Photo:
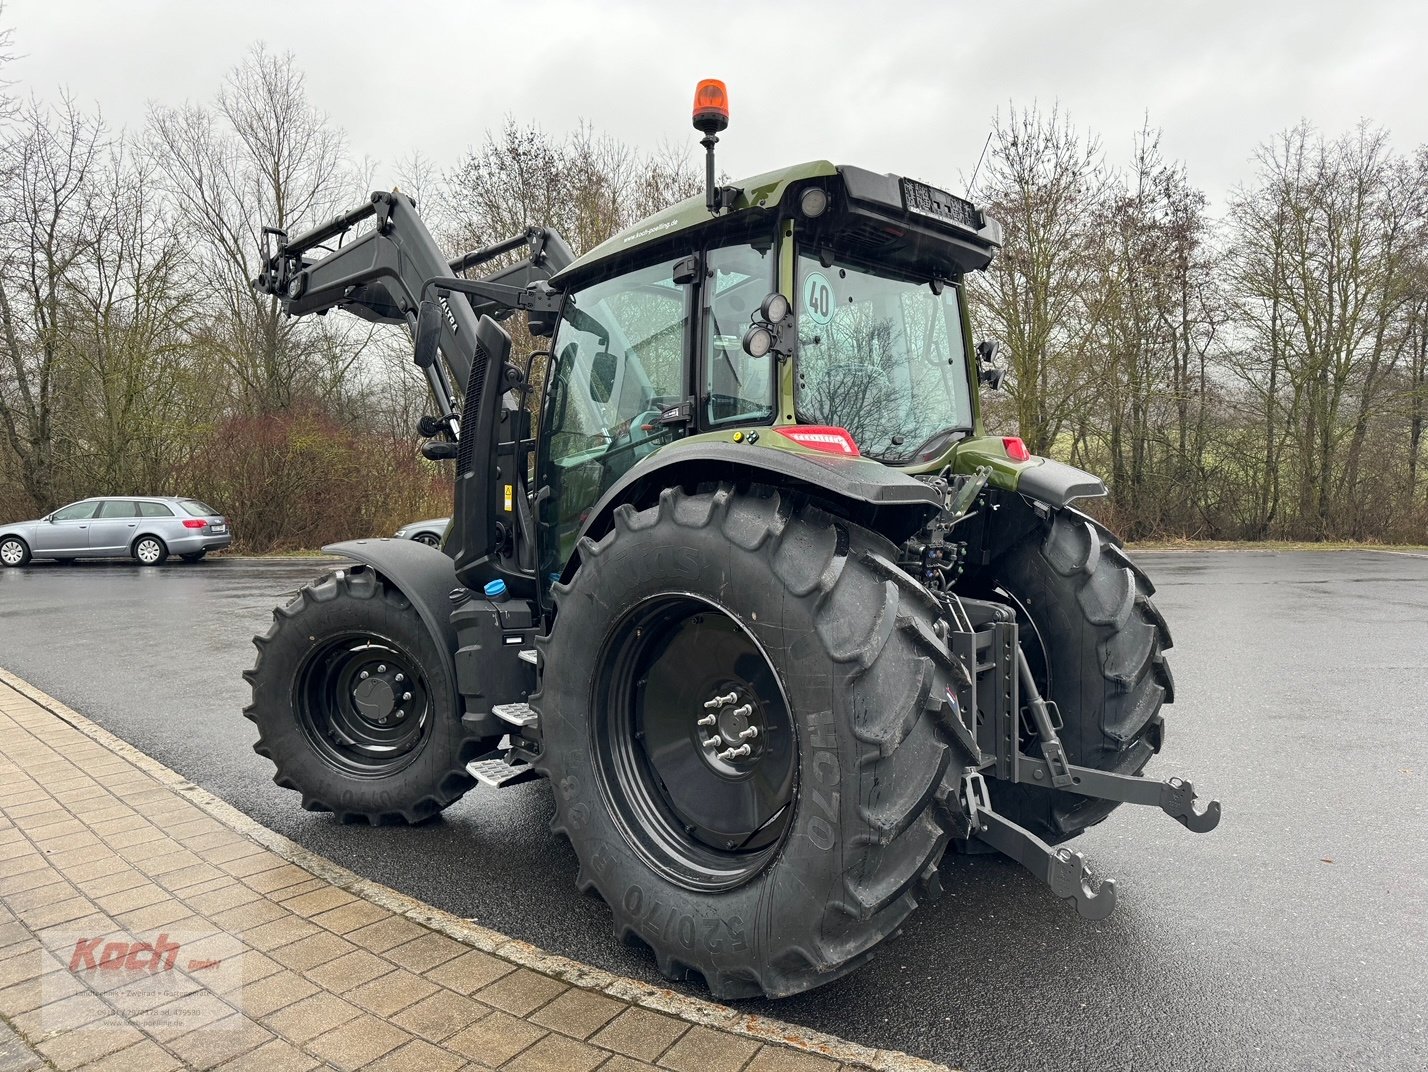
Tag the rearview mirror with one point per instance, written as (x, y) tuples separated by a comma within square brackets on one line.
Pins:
[(987, 373), (428, 333), (602, 376)]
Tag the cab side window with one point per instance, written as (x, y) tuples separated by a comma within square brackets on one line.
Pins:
[(618, 357), (737, 387)]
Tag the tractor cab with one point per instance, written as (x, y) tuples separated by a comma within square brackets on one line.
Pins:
[(814, 309)]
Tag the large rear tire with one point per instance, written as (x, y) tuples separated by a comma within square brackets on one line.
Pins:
[(777, 870), (1096, 645), (353, 703)]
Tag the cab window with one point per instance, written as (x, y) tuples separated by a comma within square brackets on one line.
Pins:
[(737, 387), (618, 358)]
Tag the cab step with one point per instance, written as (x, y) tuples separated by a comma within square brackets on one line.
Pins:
[(494, 772), (517, 714)]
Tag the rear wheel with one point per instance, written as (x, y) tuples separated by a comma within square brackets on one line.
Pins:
[(14, 552), (1095, 643), (428, 539), (740, 727), (150, 551), (354, 704)]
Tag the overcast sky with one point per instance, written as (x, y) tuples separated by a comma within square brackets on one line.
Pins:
[(908, 87)]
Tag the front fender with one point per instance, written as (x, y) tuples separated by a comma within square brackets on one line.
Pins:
[(421, 573)]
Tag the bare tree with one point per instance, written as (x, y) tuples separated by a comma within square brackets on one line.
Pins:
[(1046, 183), (49, 225), (262, 155)]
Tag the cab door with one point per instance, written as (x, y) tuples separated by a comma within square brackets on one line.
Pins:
[(66, 531)]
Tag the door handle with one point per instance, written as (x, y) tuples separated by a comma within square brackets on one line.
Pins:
[(133, 524)]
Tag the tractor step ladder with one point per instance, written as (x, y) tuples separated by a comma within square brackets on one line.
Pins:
[(517, 714), (493, 771)]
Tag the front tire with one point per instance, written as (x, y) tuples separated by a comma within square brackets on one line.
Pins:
[(1096, 645), (782, 869), (14, 552), (355, 704)]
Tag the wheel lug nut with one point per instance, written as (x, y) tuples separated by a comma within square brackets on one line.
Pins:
[(406, 696), (382, 721), (736, 753), (748, 733), (744, 712), (712, 742), (363, 675), (382, 668), (707, 720), (720, 701), (400, 678)]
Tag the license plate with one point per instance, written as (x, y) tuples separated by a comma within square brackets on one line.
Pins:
[(930, 201), (220, 528)]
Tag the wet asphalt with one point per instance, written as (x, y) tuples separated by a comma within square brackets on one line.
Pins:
[(1294, 937)]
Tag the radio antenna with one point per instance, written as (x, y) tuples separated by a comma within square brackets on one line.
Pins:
[(978, 168)]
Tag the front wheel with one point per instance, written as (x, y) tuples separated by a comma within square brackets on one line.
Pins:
[(739, 716), (14, 552), (428, 539), (354, 704)]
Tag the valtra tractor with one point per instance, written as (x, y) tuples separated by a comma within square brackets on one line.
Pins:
[(778, 621)]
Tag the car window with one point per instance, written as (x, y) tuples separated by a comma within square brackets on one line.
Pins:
[(153, 509), (118, 508), (198, 509), (74, 512)]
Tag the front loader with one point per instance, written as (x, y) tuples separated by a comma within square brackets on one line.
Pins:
[(776, 618)]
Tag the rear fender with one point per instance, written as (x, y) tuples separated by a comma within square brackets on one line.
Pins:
[(421, 573), (871, 494), (1042, 479)]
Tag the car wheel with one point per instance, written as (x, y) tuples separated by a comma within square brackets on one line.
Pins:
[(13, 552), (150, 551), (428, 539)]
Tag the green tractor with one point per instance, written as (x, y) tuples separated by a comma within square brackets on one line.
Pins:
[(756, 593)]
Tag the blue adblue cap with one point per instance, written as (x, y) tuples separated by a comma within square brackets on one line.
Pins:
[(495, 588)]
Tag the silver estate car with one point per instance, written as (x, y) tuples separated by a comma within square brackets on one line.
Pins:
[(147, 528), (430, 532)]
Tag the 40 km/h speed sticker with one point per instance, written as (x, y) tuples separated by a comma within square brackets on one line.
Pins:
[(818, 300)]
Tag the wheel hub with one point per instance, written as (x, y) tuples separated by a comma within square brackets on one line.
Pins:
[(738, 735), (362, 704)]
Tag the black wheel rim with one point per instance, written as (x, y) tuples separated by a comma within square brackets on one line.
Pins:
[(694, 742), (363, 703)]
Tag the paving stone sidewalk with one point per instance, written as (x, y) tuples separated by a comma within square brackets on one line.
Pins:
[(139, 932)]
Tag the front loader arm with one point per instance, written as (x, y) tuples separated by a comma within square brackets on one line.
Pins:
[(382, 274)]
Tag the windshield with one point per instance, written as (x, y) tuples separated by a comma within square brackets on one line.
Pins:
[(882, 357)]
